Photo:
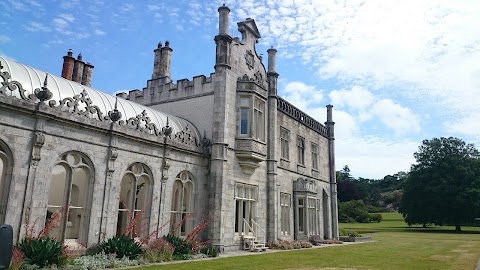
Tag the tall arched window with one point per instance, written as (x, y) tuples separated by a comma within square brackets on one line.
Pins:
[(70, 186), (182, 196), (135, 199), (5, 177)]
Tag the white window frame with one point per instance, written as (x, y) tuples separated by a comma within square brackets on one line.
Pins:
[(301, 150), (285, 205), (80, 161), (245, 205), (252, 114), (314, 147), (284, 143), (185, 181), (136, 171)]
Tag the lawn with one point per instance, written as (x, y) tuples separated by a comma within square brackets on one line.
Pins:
[(395, 246)]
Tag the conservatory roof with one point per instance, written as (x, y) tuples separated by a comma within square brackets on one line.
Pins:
[(61, 88)]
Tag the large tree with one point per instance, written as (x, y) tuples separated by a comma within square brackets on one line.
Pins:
[(443, 186)]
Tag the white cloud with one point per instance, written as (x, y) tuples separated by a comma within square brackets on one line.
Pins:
[(67, 17), (374, 157), (425, 50), (396, 117), (4, 39), (36, 27), (99, 32), (301, 95), (125, 7), (153, 7), (367, 107), (357, 98)]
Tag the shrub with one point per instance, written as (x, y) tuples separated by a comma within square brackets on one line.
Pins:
[(159, 250), (353, 211), (209, 251), (342, 232), (42, 251), (180, 245), (17, 259), (93, 250), (354, 234), (122, 246), (286, 244), (305, 244), (100, 261), (375, 217)]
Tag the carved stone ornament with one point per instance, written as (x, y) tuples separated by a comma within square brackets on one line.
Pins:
[(43, 94), (73, 105), (142, 123), (258, 77), (186, 137), (12, 86), (38, 142), (249, 59)]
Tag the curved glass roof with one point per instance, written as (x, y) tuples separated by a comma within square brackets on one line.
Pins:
[(61, 88)]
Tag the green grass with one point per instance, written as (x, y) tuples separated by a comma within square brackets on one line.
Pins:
[(395, 246)]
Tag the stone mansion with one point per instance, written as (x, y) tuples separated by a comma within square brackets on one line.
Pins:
[(224, 147)]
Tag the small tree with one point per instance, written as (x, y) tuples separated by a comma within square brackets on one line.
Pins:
[(443, 187)]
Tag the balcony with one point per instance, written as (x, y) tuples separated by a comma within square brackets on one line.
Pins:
[(250, 153)]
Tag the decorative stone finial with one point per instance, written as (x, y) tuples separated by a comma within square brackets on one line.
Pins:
[(70, 52), (167, 43), (159, 44), (167, 130), (79, 57), (43, 93), (115, 115)]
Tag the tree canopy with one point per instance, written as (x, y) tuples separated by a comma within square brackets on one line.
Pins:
[(443, 187)]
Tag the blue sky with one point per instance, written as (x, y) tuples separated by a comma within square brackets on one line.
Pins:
[(397, 72)]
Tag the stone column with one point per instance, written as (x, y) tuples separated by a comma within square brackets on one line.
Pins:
[(331, 167), (273, 204)]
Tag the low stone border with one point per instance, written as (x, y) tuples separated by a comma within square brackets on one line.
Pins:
[(355, 239)]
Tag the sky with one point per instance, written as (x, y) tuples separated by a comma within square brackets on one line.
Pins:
[(396, 72)]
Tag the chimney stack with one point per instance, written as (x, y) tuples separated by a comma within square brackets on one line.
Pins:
[(78, 69), (87, 74), (271, 59), (68, 62), (223, 20), (157, 61), (166, 56)]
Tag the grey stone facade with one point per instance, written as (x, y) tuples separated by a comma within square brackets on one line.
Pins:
[(231, 145)]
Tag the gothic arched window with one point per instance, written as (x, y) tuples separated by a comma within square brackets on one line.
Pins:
[(182, 196), (135, 196), (5, 177), (70, 190)]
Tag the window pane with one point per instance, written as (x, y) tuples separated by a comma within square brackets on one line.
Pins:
[(2, 180), (301, 220), (125, 191), (1, 171), (141, 193), (244, 121), (57, 197)]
